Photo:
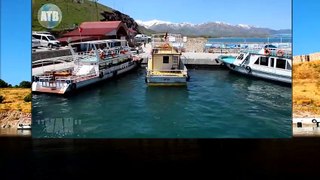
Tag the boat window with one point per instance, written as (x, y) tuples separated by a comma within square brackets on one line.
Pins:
[(288, 66), (281, 63), (271, 62), (240, 56), (166, 59), (264, 61), (257, 61)]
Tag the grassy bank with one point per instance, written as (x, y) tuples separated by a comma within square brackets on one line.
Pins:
[(72, 13), (306, 89), (14, 100)]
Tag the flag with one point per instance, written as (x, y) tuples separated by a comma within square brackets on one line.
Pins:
[(80, 29)]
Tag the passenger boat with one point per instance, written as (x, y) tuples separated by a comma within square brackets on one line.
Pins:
[(270, 64), (165, 66), (94, 61)]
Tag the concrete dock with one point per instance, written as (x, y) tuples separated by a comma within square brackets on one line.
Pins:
[(199, 59), (63, 62)]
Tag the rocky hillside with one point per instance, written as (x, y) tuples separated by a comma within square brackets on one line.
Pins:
[(130, 22)]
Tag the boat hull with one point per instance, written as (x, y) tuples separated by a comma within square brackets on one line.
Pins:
[(166, 81), (69, 88), (260, 74)]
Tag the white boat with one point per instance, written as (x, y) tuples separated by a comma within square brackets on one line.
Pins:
[(94, 61), (270, 64), (165, 67)]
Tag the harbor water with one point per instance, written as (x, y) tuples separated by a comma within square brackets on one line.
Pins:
[(281, 39), (216, 103)]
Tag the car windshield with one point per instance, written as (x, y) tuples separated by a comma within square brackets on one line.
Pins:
[(51, 38)]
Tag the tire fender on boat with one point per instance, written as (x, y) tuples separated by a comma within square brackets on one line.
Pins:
[(115, 73), (248, 69), (314, 121), (101, 75)]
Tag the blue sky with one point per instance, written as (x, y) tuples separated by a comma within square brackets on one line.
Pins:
[(306, 31), (15, 41), (275, 14)]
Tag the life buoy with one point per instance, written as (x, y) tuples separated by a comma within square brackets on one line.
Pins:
[(103, 55), (280, 53), (101, 75), (266, 51), (248, 69)]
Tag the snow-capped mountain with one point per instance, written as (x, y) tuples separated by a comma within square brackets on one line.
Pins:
[(209, 29)]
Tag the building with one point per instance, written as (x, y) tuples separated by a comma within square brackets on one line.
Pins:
[(96, 30)]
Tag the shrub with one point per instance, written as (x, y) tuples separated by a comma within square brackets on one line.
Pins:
[(25, 84), (1, 99), (28, 98)]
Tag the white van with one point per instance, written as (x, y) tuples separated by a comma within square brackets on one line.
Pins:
[(46, 40)]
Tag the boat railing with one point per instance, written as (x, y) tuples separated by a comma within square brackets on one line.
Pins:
[(270, 52)]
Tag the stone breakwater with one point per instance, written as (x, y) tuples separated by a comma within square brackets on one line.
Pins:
[(195, 44), (11, 119), (198, 45)]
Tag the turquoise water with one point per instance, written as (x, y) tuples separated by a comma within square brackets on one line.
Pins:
[(215, 104), (228, 59)]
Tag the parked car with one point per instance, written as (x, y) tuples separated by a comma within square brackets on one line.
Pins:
[(46, 40), (35, 43)]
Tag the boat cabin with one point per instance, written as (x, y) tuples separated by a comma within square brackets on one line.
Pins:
[(165, 58)]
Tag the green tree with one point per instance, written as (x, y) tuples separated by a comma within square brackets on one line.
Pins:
[(25, 84), (3, 84)]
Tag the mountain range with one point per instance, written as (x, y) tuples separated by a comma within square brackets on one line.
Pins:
[(211, 29)]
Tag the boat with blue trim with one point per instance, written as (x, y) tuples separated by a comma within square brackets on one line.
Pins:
[(268, 63)]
